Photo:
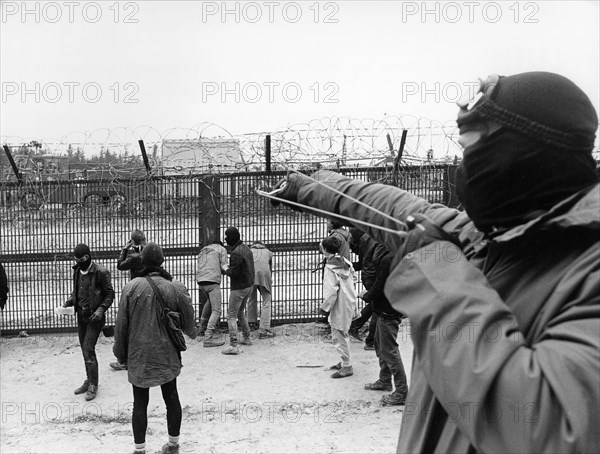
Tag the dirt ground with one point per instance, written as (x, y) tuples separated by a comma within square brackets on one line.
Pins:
[(259, 401)]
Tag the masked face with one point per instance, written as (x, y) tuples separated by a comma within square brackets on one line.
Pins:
[(506, 179), (83, 263)]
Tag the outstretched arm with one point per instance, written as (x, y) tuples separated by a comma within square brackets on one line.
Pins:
[(361, 201)]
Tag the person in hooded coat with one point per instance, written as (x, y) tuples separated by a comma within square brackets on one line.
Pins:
[(503, 298), (339, 301), (142, 342)]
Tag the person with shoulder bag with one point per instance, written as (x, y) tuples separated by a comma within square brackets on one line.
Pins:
[(143, 341)]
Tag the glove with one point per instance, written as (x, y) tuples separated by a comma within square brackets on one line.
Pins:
[(288, 188), (422, 232), (97, 316)]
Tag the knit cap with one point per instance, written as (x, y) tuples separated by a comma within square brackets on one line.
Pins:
[(545, 107)]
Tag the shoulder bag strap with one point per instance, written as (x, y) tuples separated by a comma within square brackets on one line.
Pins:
[(159, 297)]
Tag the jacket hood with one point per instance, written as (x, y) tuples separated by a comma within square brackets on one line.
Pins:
[(339, 265), (580, 210)]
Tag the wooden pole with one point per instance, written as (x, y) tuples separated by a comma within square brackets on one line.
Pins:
[(399, 156), (268, 152), (145, 156), (12, 162)]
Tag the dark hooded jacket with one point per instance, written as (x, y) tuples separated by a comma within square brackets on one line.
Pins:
[(505, 329)]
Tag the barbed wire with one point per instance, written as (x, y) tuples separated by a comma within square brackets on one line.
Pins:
[(207, 147), (210, 148)]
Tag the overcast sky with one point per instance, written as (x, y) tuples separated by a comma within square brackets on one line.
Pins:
[(259, 66)]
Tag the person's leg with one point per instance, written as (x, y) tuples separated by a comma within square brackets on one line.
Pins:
[(236, 297), (171, 398), (391, 352), (139, 418), (92, 334), (81, 330), (385, 376), (342, 345), (206, 307), (242, 314), (265, 310), (341, 342), (384, 382), (391, 356), (252, 305), (215, 299)]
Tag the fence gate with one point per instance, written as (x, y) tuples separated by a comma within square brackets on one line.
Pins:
[(41, 223)]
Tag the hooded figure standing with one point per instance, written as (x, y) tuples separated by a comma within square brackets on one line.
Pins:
[(504, 298), (92, 295), (141, 341), (339, 301)]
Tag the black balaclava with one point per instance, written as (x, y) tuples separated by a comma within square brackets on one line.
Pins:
[(232, 236), (79, 251), (540, 155)]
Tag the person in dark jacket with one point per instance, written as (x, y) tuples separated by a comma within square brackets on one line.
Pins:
[(141, 341), (130, 258), (241, 275), (92, 295), (3, 287), (391, 368), (503, 298), (369, 255)]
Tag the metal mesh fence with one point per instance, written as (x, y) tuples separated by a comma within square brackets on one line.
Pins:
[(41, 222)]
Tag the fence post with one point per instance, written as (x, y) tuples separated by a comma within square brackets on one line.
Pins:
[(12, 163), (144, 156), (399, 157), (210, 195), (268, 153)]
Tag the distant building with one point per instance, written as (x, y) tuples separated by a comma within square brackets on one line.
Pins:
[(184, 157)]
